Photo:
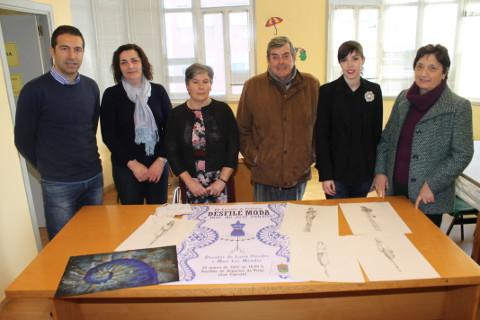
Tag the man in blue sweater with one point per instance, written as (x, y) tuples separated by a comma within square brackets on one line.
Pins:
[(55, 130)]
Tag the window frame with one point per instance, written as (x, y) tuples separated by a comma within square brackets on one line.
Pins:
[(199, 44), (382, 7)]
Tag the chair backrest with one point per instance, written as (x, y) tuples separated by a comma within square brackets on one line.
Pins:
[(462, 207), (230, 190)]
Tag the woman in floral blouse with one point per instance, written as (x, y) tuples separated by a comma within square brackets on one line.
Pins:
[(349, 126), (202, 139)]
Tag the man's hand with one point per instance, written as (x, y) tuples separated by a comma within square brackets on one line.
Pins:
[(329, 187)]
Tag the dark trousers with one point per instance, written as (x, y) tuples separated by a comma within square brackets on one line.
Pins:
[(131, 191), (402, 190), (263, 192), (351, 190)]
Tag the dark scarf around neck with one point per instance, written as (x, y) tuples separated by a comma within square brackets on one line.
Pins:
[(424, 101), (284, 83)]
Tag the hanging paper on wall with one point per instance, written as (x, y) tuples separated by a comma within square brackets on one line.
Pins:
[(273, 21), (302, 53), (12, 54), (17, 83)]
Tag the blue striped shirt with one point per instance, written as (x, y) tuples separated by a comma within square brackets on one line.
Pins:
[(57, 76)]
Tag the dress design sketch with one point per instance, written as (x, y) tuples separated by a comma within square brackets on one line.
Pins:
[(163, 229), (322, 256), (387, 252), (309, 216), (371, 217)]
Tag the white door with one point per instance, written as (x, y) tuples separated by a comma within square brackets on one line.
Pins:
[(26, 60)]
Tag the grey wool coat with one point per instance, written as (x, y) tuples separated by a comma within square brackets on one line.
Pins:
[(442, 147)]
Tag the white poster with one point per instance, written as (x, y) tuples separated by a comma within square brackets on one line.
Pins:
[(235, 243)]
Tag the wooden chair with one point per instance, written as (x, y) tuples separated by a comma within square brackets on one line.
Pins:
[(461, 209)]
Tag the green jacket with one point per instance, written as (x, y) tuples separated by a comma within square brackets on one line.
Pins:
[(442, 147), (277, 128)]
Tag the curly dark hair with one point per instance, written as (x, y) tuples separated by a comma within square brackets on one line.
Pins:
[(146, 66)]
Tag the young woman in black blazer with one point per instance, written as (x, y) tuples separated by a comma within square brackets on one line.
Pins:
[(348, 128)]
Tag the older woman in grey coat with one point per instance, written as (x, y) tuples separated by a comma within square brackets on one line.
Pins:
[(427, 141)]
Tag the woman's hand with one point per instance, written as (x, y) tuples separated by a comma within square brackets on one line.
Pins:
[(196, 188), (380, 184), (156, 169), (139, 170), (425, 195), (329, 187), (216, 188)]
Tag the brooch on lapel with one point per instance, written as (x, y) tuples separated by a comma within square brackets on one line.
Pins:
[(369, 96)]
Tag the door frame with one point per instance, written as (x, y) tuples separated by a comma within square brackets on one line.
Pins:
[(23, 6)]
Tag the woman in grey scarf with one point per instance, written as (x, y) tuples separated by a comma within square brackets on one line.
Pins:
[(133, 117)]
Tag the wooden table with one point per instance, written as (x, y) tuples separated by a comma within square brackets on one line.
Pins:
[(100, 229)]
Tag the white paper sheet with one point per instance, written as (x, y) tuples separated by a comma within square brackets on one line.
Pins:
[(157, 232), (172, 210), (391, 257), (323, 259), (304, 219), (373, 217)]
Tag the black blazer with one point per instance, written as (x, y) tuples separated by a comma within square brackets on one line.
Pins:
[(221, 134), (348, 129)]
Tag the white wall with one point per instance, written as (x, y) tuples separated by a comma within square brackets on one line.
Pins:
[(17, 241)]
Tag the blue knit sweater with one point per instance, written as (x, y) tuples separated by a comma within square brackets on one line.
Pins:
[(55, 128)]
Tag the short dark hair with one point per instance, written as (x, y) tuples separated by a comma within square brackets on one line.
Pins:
[(439, 51), (65, 29), (198, 68), (348, 47), (279, 42), (146, 66)]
